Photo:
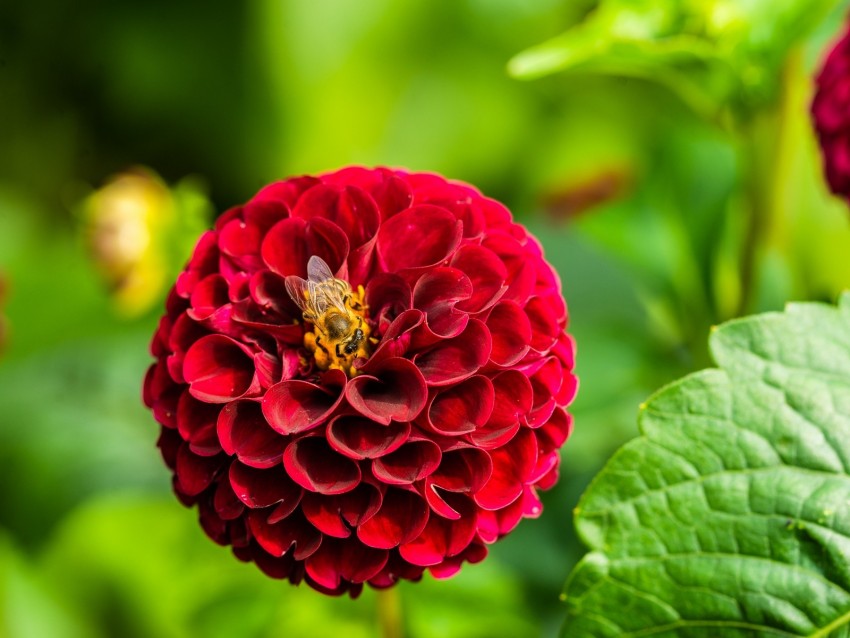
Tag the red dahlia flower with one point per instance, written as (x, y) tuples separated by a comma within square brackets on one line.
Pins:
[(831, 111), (340, 457)]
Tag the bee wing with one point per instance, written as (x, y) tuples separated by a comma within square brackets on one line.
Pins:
[(324, 287), (302, 293), (318, 270)]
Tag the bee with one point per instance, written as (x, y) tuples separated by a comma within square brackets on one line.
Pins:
[(337, 312)]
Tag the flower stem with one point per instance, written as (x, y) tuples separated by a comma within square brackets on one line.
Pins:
[(389, 613)]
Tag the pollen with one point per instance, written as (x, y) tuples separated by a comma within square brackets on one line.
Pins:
[(340, 336)]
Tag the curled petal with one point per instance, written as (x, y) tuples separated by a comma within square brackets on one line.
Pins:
[(338, 514), (312, 464), (513, 465), (225, 502), (387, 296), (442, 537), (413, 461), (196, 422), (296, 406), (359, 437), (243, 431), (294, 532), (398, 337), (458, 358), (544, 325), (511, 332), (394, 389), (195, 473), (218, 369), (291, 242), (462, 408), (263, 488), (338, 561), (349, 207), (436, 293), (521, 271), (209, 295), (402, 518), (486, 272), (418, 237)]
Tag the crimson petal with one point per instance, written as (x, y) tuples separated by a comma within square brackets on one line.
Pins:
[(511, 332), (243, 431), (436, 293), (393, 389), (263, 488), (486, 272), (461, 408), (218, 369), (413, 461), (442, 537), (278, 538), (418, 237), (296, 406), (512, 466), (312, 464), (458, 358), (402, 518), (358, 437)]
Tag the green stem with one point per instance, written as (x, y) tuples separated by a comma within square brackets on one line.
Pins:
[(768, 146), (389, 613)]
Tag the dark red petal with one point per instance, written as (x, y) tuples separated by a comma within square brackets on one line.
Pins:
[(458, 358), (336, 515), (414, 460), (521, 271), (243, 431), (349, 207), (208, 296), (285, 249), (358, 437), (492, 525), (218, 369), (486, 272), (263, 488), (226, 505), (394, 389), (442, 537), (463, 469), (196, 422), (296, 406), (312, 464), (402, 518), (512, 466), (461, 408), (398, 337), (511, 332), (338, 561), (418, 237), (195, 473), (278, 538), (286, 191), (387, 296), (544, 325), (436, 294)]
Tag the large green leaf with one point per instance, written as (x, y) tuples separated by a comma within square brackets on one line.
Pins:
[(730, 515)]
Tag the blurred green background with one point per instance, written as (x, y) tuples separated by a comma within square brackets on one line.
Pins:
[(674, 186)]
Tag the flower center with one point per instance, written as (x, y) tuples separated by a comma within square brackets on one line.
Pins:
[(340, 335)]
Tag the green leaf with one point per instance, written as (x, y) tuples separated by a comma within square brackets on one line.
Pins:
[(730, 515)]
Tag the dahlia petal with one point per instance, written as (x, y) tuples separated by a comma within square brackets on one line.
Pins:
[(442, 537), (340, 560), (359, 437), (402, 518), (169, 442), (225, 501), (418, 237), (513, 464), (436, 293), (196, 422), (218, 369), (511, 332), (208, 296), (414, 460), (204, 262), (458, 358), (241, 241), (195, 473), (393, 389), (277, 539), (263, 488), (285, 249), (463, 469), (387, 296), (349, 207), (493, 525), (398, 337), (269, 369), (165, 407), (286, 191), (268, 291), (244, 432), (336, 515), (514, 398), (297, 406), (392, 195), (554, 433), (487, 274), (544, 326), (521, 272), (461, 408), (313, 464)]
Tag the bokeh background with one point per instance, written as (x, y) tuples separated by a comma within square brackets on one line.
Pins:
[(664, 214)]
